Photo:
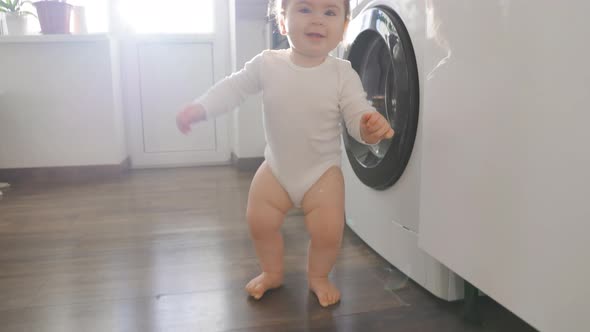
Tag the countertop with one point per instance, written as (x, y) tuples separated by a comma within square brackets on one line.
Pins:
[(81, 38)]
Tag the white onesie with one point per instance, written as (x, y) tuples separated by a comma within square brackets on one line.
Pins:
[(303, 111)]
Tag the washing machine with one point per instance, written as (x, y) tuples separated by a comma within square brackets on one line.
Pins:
[(384, 43)]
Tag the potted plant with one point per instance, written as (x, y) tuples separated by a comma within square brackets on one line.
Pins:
[(54, 16), (16, 16)]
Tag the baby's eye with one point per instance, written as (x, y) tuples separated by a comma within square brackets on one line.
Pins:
[(304, 10), (330, 13)]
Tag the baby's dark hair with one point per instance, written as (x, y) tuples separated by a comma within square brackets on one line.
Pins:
[(276, 8)]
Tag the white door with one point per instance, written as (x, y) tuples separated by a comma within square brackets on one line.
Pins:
[(161, 73)]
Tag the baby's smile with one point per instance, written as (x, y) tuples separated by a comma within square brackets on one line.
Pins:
[(315, 35)]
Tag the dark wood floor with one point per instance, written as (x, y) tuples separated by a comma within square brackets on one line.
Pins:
[(168, 250)]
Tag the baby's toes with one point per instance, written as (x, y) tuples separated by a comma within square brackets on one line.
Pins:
[(324, 300)]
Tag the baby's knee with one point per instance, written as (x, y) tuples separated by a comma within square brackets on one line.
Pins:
[(329, 238), (263, 220)]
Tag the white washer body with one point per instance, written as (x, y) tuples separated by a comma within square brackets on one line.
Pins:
[(505, 172), (388, 220)]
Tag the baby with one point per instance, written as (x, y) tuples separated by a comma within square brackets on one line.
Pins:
[(306, 93)]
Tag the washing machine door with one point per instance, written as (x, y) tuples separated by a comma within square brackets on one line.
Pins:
[(380, 50)]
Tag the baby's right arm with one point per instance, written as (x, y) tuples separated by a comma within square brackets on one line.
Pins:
[(223, 96), (191, 113)]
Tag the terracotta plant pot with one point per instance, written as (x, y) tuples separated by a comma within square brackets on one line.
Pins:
[(54, 16)]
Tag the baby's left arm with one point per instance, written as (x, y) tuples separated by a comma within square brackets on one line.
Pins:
[(363, 122), (375, 127)]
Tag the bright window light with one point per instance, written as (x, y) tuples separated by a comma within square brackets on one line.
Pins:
[(97, 14), (184, 16)]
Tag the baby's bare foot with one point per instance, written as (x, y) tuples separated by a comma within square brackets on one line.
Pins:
[(265, 281), (326, 292)]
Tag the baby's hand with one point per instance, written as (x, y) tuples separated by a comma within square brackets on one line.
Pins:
[(190, 114), (374, 128)]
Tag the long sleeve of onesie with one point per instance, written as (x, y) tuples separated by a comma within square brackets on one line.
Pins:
[(353, 101), (230, 92)]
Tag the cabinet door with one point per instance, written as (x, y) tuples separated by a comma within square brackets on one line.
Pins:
[(59, 102), (163, 73)]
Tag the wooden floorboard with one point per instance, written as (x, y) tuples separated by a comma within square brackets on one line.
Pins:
[(168, 250)]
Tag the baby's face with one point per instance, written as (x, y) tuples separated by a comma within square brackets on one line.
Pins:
[(314, 27)]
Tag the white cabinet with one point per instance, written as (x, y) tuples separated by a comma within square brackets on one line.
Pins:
[(61, 102)]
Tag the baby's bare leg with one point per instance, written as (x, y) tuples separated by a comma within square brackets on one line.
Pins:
[(323, 206), (268, 203)]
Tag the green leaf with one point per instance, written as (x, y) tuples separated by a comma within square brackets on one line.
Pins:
[(5, 5), (8, 5), (13, 6)]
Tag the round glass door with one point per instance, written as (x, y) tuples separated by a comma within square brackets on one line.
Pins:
[(383, 56)]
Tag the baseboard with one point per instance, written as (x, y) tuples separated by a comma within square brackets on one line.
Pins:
[(64, 174), (246, 164)]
